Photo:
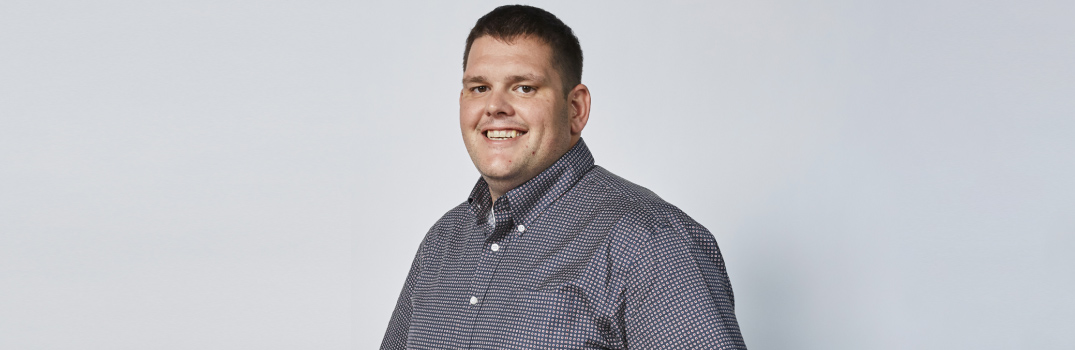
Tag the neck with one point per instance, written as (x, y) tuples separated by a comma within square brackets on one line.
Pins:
[(496, 191), (498, 188)]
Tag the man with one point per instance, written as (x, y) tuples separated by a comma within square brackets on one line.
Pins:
[(550, 251)]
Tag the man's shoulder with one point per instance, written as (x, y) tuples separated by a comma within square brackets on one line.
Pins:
[(640, 222), (450, 223), (635, 202), (453, 217)]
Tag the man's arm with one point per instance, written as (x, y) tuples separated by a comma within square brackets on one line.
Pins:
[(396, 335), (678, 295)]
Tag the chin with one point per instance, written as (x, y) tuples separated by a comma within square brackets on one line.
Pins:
[(497, 172)]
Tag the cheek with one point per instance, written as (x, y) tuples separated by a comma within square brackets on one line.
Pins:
[(468, 117)]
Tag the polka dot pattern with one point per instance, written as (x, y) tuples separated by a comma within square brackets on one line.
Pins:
[(583, 259)]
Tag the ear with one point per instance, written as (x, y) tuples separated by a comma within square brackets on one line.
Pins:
[(578, 101)]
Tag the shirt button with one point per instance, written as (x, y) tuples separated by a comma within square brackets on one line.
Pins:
[(473, 300), (495, 247), (521, 228)]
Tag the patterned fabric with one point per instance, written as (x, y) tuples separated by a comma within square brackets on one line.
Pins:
[(578, 258)]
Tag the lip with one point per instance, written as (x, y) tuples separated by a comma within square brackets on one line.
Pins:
[(516, 128)]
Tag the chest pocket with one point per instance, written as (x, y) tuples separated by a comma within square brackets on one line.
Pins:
[(539, 319)]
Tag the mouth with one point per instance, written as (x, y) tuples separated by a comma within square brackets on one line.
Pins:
[(498, 135)]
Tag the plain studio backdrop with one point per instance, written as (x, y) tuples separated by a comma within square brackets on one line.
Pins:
[(258, 174)]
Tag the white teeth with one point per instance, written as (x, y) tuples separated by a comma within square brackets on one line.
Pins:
[(502, 134)]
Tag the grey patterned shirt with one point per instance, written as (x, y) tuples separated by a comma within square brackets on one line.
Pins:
[(578, 258)]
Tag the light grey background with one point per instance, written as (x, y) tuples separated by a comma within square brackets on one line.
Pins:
[(257, 175)]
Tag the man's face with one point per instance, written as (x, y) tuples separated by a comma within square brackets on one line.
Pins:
[(512, 111)]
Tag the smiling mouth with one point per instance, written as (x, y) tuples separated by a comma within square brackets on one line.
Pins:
[(503, 134)]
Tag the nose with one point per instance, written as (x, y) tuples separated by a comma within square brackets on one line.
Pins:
[(499, 105)]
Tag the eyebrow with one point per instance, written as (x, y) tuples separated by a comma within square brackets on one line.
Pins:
[(525, 77), (474, 79), (511, 79)]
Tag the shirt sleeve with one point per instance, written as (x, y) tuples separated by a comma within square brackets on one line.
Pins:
[(396, 335), (677, 293)]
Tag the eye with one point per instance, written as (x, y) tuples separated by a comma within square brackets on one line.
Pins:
[(479, 89), (525, 89)]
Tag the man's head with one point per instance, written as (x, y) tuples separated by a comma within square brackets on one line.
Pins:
[(509, 22), (522, 104)]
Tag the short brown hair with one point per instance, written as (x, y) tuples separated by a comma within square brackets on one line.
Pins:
[(508, 22)]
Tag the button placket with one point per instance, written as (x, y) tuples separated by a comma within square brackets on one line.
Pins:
[(501, 228)]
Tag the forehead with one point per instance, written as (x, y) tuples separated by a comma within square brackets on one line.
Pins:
[(522, 55)]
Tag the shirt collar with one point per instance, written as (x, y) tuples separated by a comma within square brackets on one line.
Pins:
[(531, 198)]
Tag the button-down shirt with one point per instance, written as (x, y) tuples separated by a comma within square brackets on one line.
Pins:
[(575, 258)]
